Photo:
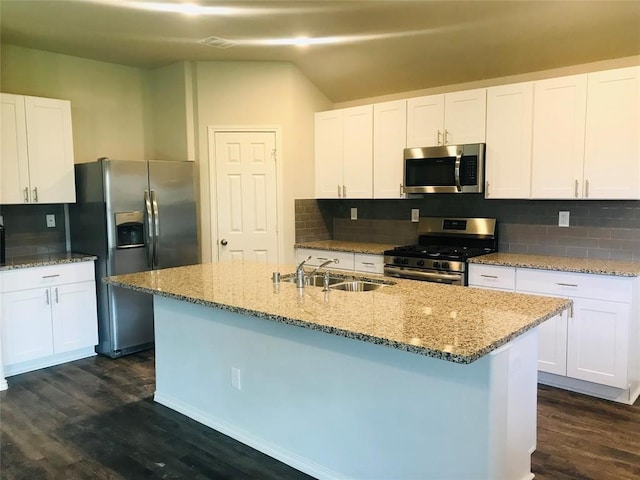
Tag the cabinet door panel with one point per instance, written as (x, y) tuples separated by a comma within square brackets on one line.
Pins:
[(328, 154), (558, 137), (14, 162), (465, 117), (598, 342), (389, 141), (26, 325), (50, 143), (74, 316), (425, 121), (612, 148), (552, 345), (509, 137), (358, 152)]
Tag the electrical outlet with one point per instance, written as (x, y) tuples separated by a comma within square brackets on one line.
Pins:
[(235, 378), (51, 220), (415, 214), (354, 214), (563, 219)]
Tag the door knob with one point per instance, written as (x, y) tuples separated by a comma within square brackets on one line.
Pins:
[(223, 242)]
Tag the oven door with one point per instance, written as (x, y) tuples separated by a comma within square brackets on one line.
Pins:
[(446, 169), (437, 276)]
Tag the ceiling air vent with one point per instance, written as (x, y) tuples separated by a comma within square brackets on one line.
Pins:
[(217, 42)]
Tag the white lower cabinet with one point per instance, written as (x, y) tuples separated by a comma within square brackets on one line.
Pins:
[(52, 323), (598, 343), (358, 262)]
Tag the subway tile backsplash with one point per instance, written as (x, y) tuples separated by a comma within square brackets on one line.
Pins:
[(598, 229), (26, 230)]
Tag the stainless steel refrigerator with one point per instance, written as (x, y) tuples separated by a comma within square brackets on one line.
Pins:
[(134, 216)]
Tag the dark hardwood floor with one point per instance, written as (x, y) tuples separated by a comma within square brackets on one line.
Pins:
[(96, 419)]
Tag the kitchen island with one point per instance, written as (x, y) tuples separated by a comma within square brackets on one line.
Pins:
[(410, 381)]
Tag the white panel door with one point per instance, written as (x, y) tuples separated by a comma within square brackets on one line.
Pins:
[(26, 325), (612, 139), (389, 141), (50, 143), (598, 342), (14, 162), (245, 170), (509, 136), (74, 316), (425, 121), (465, 117), (559, 114)]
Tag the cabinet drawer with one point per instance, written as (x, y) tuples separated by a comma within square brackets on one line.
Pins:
[(580, 285), (492, 276), (36, 277), (368, 263)]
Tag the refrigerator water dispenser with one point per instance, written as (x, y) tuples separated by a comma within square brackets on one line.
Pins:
[(129, 229)]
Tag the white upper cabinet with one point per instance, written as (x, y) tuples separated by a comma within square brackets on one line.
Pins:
[(509, 139), (558, 137), (389, 141), (344, 153), (37, 151), (612, 140), (448, 119)]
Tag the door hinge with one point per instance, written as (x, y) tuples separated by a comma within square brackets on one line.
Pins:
[(274, 154)]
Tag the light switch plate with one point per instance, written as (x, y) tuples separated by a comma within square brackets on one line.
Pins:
[(415, 214), (563, 219), (51, 220), (354, 214)]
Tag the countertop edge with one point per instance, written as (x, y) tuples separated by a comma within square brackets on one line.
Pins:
[(44, 263), (350, 247), (549, 264)]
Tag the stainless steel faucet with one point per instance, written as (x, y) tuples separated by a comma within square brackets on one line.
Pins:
[(322, 265), (300, 273)]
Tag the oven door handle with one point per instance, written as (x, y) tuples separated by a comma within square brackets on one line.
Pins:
[(457, 169), (421, 275)]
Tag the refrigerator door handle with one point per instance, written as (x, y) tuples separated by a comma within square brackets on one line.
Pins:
[(148, 227), (156, 227)]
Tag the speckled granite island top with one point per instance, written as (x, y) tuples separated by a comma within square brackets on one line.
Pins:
[(42, 260), (344, 246), (562, 264), (453, 323)]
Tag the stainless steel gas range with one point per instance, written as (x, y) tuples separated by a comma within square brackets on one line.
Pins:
[(444, 245)]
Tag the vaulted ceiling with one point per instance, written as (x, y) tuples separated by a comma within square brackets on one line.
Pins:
[(349, 49)]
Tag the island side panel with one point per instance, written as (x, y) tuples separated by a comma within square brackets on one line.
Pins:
[(334, 407)]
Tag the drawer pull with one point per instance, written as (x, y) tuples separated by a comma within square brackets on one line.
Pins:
[(322, 258), (368, 263), (489, 276), (51, 276), (566, 284)]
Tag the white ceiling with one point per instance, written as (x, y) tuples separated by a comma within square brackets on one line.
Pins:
[(391, 46)]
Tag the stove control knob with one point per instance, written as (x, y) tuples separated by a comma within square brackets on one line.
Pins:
[(436, 264), (421, 263), (445, 264)]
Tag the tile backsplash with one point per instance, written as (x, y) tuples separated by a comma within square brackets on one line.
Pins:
[(598, 229), (26, 230)]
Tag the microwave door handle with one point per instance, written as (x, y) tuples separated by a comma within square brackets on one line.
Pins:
[(148, 228), (457, 170)]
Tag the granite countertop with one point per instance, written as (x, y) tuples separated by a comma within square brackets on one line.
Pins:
[(44, 259), (561, 264), (344, 246), (457, 324)]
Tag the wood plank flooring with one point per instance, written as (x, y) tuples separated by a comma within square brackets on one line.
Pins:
[(96, 419)]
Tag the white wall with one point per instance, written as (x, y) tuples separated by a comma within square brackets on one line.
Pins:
[(110, 103), (259, 93)]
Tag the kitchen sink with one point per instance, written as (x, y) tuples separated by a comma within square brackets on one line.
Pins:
[(357, 286), (313, 280)]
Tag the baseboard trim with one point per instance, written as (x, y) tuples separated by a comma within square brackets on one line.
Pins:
[(627, 396), (50, 361)]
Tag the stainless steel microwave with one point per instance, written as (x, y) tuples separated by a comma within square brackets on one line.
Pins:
[(444, 169)]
